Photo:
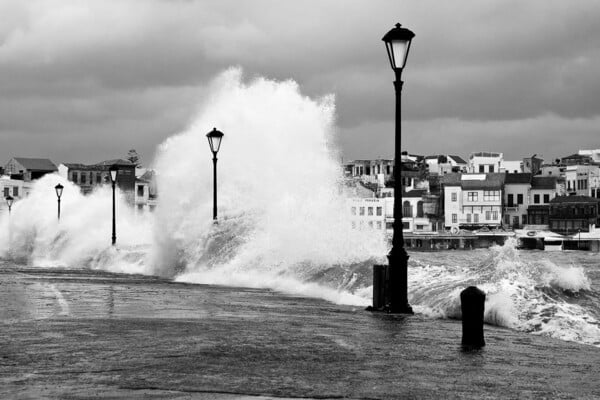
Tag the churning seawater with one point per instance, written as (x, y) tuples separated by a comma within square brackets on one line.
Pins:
[(283, 224)]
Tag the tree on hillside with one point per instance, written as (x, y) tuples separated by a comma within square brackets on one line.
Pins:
[(133, 157)]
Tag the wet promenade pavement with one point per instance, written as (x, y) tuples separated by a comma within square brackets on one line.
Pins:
[(87, 334)]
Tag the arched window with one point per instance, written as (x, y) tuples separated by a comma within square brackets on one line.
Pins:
[(406, 209), (420, 209)]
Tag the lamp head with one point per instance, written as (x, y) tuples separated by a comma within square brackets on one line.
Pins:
[(59, 189), (114, 173), (397, 43), (214, 140)]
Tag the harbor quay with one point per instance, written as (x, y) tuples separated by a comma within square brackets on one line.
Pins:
[(92, 334)]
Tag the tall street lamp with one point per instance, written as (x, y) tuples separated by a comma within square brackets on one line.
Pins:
[(9, 202), (397, 43), (214, 140), (59, 189), (114, 172)]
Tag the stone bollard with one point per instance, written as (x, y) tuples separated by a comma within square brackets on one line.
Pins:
[(379, 286), (472, 303)]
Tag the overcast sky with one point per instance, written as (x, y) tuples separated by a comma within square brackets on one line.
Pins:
[(86, 80)]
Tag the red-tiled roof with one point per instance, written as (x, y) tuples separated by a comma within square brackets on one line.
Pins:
[(36, 164), (517, 178)]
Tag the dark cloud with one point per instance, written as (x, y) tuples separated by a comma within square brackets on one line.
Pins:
[(86, 80)]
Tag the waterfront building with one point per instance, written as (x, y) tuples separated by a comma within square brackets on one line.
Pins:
[(543, 190), (485, 162), (573, 214), (516, 199), (16, 188), (28, 169), (472, 201), (88, 177), (145, 198), (414, 217)]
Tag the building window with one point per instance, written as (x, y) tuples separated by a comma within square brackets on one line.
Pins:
[(83, 178), (74, 177), (511, 199), (468, 218), (371, 224), (495, 215), (370, 211), (405, 226), (519, 199), (454, 218), (487, 215), (420, 213), (420, 227), (389, 225), (524, 219), (140, 191), (6, 192), (15, 190), (472, 196), (491, 168), (140, 207), (481, 168), (453, 196), (491, 195), (546, 198), (536, 199), (379, 224), (98, 178), (380, 211), (361, 211), (475, 218), (387, 169), (406, 209), (353, 210)]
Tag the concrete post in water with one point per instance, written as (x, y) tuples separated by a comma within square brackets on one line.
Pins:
[(472, 303)]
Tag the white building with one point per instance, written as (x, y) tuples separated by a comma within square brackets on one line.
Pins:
[(15, 188), (511, 167), (595, 154), (516, 199), (485, 162), (369, 213), (581, 179), (472, 200)]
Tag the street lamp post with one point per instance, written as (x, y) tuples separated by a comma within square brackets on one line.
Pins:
[(9, 202), (397, 43), (214, 140), (114, 172), (59, 189)]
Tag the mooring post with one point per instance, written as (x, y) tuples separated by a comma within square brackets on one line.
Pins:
[(472, 303), (379, 286)]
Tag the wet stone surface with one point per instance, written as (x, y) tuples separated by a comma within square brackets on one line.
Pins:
[(86, 334)]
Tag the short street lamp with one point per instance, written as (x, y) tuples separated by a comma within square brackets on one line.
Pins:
[(59, 189), (9, 202), (214, 140), (397, 42), (114, 172)]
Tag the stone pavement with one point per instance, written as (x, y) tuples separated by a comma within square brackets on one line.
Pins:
[(83, 334)]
